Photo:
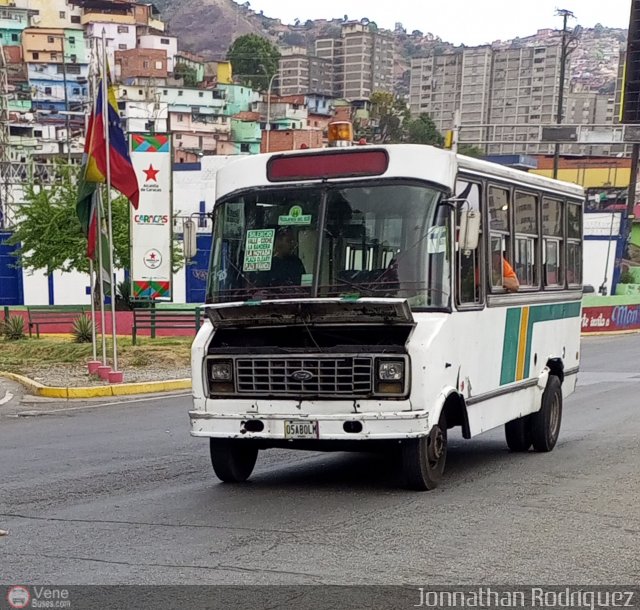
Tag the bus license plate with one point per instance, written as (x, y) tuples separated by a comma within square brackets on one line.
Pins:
[(300, 429)]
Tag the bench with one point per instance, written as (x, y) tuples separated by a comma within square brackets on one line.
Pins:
[(153, 319), (51, 315)]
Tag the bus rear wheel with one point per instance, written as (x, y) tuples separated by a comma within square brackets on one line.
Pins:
[(518, 434), (232, 460), (545, 424), (424, 458)]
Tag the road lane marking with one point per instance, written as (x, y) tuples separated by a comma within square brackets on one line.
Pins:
[(38, 413), (7, 397)]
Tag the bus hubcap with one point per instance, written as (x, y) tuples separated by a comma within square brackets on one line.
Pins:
[(436, 444)]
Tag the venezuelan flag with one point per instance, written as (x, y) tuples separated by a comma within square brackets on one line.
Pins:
[(123, 175), (86, 202)]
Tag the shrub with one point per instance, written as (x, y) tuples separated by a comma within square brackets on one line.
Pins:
[(83, 329), (13, 328), (626, 277), (123, 293)]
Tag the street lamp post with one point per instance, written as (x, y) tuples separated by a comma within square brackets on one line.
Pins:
[(268, 124)]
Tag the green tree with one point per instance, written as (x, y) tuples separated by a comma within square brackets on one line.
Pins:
[(423, 131), (388, 115), (48, 232), (254, 60), (187, 73), (470, 150)]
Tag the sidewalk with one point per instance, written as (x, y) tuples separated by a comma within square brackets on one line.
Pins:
[(99, 389), (56, 367)]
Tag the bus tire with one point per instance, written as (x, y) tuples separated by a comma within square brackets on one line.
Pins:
[(518, 434), (545, 424), (232, 460), (424, 458)]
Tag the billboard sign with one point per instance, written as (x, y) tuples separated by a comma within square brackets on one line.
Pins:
[(151, 223)]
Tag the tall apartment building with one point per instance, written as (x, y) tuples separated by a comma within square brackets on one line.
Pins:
[(436, 87), (504, 95), (362, 60), (524, 91), (301, 73), (593, 109)]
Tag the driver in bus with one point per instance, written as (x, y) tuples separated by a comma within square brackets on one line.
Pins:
[(286, 268), (508, 276)]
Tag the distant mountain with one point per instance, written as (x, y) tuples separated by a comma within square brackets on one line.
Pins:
[(208, 27)]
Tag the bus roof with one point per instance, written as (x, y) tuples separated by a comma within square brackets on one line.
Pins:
[(405, 161), (502, 171)]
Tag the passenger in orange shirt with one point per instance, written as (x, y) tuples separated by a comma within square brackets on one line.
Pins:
[(509, 279)]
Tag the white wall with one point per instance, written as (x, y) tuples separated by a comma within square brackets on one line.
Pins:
[(71, 288), (180, 286), (595, 263), (35, 287), (606, 227)]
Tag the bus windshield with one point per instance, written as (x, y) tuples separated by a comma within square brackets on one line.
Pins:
[(378, 240)]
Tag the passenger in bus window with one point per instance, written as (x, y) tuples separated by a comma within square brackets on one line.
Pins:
[(502, 272)]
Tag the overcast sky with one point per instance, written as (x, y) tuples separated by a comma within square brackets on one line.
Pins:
[(471, 22)]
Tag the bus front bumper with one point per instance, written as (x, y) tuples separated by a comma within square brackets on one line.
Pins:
[(338, 427)]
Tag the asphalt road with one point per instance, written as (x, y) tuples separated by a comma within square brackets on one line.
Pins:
[(122, 494)]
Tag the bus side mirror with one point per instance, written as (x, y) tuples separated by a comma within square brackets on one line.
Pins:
[(190, 239), (469, 234)]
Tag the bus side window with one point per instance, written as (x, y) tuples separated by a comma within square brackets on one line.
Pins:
[(468, 263), (552, 232), (499, 239), (526, 238), (574, 246)]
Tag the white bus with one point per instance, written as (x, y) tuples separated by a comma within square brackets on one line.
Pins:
[(356, 300)]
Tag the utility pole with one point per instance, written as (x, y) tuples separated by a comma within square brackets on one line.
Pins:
[(5, 186), (66, 104), (63, 39), (564, 54)]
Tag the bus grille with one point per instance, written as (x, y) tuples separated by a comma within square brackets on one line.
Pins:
[(327, 376)]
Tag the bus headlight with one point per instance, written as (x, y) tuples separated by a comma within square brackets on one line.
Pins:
[(392, 370), (221, 371)]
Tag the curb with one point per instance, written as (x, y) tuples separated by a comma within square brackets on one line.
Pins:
[(123, 389)]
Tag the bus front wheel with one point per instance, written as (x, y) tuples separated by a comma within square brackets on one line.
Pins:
[(232, 460), (545, 424), (424, 458)]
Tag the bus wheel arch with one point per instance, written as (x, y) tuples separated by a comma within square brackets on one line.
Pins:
[(454, 408), (556, 368)]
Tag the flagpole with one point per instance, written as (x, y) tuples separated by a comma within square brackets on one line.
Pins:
[(98, 214), (98, 196), (94, 340), (105, 111)]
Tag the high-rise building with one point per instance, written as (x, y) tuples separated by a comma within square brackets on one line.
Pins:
[(436, 84), (504, 95), (301, 73), (362, 60)]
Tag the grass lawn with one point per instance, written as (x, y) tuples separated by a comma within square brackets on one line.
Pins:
[(27, 354)]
